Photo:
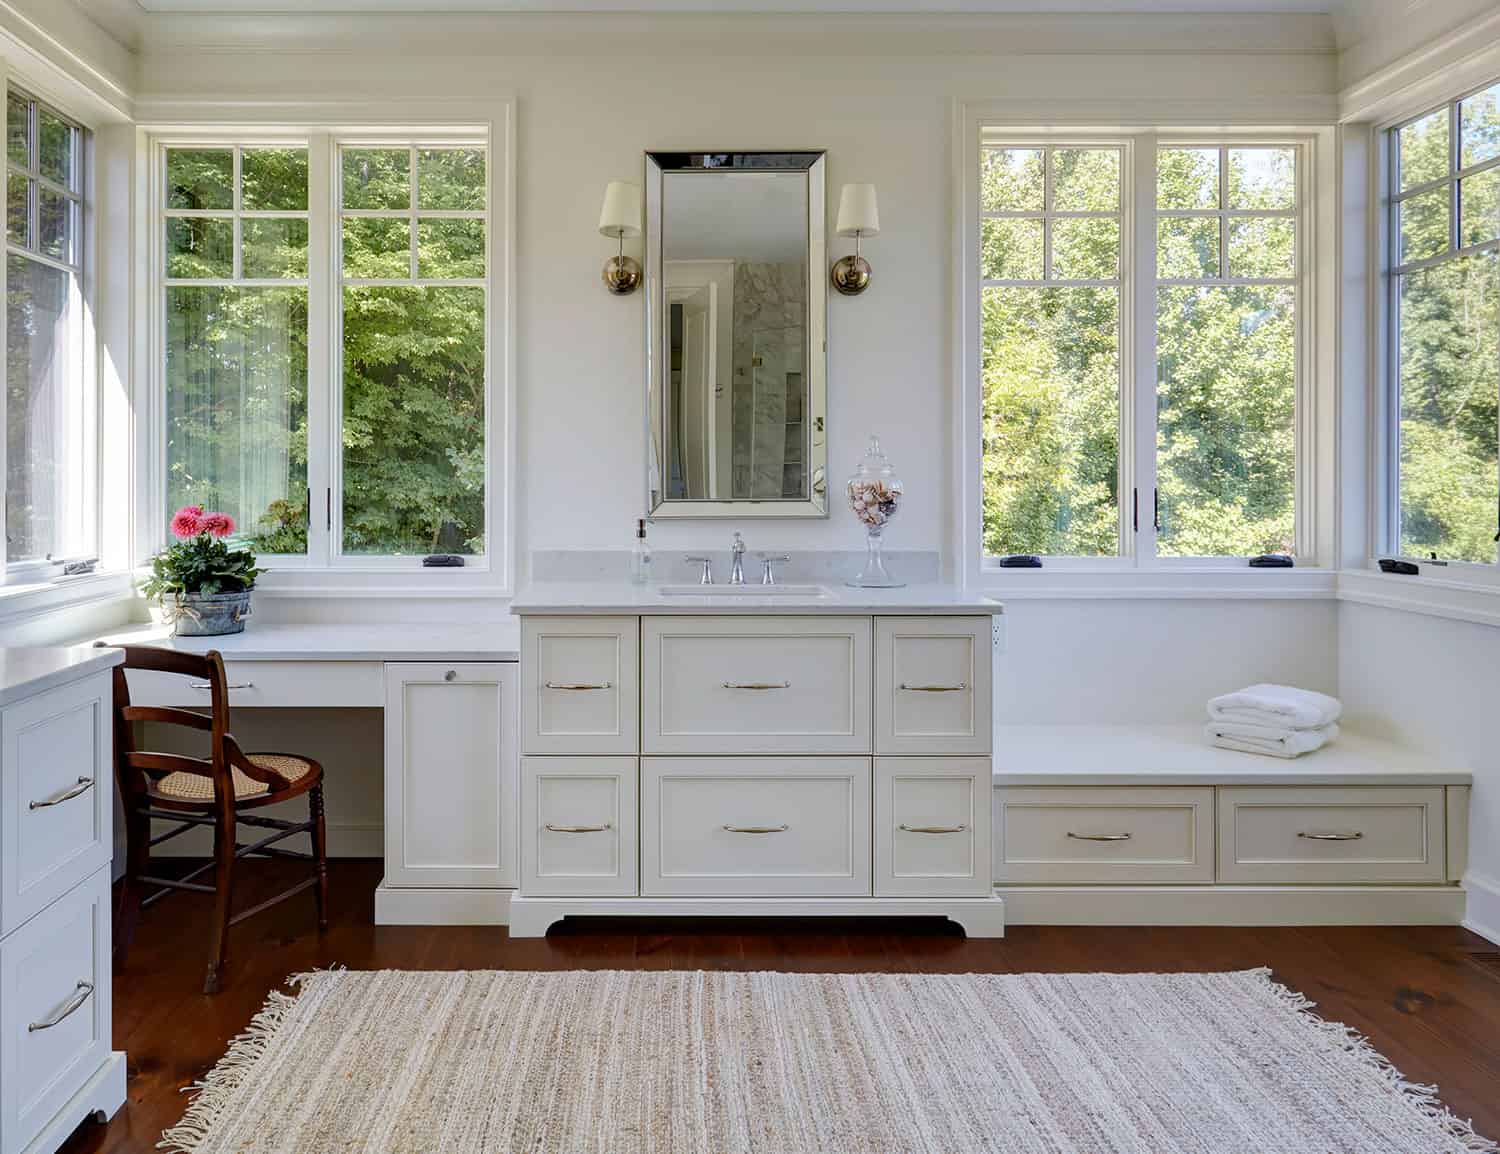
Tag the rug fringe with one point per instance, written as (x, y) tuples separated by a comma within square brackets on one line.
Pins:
[(1419, 1094), (213, 1092)]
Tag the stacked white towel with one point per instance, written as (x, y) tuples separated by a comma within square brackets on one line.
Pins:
[(1277, 720)]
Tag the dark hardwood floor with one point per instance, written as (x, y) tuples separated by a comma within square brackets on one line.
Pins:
[(1429, 998)]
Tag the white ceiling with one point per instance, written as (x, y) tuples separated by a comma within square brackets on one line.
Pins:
[(1119, 7)]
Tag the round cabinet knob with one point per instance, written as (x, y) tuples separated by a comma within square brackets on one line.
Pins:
[(451, 675)]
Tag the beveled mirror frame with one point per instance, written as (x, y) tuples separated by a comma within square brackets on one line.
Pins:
[(815, 504)]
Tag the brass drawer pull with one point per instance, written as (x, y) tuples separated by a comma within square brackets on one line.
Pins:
[(230, 685), (575, 687), (1098, 836), (959, 688), (932, 828), (80, 995), (578, 828), (757, 828), (68, 793), (758, 685), (1352, 835)]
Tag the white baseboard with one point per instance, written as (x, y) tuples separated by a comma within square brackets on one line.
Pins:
[(345, 839), (395, 906), (1483, 916), (1232, 905)]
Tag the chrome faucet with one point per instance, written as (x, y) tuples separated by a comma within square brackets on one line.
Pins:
[(737, 561)]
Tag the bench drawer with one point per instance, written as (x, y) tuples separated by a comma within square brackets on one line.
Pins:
[(755, 827), (54, 1008), (56, 799), (578, 826), (932, 685), (1339, 834), (579, 688), (1104, 835), (932, 826), (756, 684)]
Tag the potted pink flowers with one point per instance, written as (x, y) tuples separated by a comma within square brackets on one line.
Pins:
[(202, 584)]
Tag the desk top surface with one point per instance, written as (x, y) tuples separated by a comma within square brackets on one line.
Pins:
[(438, 641), (1046, 755), (29, 670)]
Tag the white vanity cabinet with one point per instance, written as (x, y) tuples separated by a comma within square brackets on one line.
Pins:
[(56, 835), (450, 781), (782, 761)]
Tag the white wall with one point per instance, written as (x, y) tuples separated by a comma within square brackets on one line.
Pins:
[(1434, 683), (877, 93), (1155, 662)]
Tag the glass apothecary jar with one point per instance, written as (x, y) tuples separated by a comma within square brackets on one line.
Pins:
[(874, 496)]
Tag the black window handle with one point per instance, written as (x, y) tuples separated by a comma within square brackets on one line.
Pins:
[(1156, 510)]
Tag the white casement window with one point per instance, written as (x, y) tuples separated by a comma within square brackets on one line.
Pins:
[(1442, 498), (50, 451), (1141, 356), (1051, 241), (325, 357), (1227, 357)]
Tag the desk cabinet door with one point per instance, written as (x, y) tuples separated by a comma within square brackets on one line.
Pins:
[(451, 773)]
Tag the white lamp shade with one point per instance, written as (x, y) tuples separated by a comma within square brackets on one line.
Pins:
[(621, 214), (858, 214)]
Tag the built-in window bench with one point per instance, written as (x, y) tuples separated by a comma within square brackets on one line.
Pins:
[(1150, 825), (448, 693)]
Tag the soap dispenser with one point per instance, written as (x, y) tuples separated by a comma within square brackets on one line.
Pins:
[(640, 557)]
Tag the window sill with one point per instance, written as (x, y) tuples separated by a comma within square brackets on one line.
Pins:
[(1474, 601), (1163, 584), (34, 599)]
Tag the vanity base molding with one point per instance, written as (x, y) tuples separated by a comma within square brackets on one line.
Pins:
[(433, 906), (531, 917), (99, 1098), (1219, 905)]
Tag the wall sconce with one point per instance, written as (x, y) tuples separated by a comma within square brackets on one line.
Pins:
[(621, 217), (858, 217)]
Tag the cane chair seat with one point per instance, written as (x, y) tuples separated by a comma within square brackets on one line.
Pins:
[(195, 787)]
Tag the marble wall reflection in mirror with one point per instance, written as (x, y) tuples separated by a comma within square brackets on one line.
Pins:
[(736, 304)]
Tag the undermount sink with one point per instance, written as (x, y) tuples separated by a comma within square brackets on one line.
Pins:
[(742, 591)]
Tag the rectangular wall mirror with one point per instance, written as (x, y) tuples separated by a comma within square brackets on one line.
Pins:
[(736, 305)]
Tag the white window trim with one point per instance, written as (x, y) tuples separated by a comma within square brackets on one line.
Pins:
[(1137, 568), (324, 126), (1449, 583)]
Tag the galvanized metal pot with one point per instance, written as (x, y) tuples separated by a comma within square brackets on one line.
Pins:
[(208, 614)]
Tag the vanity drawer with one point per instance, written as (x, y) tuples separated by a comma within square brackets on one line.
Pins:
[(1340, 834), (755, 827), (756, 684), (579, 690), (56, 797), (932, 826), (578, 826), (1103, 835), (336, 684), (54, 1008), (932, 685)]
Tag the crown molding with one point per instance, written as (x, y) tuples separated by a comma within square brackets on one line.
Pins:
[(738, 33), (1459, 59)]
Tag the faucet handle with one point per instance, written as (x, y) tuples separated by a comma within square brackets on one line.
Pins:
[(739, 543), (707, 576), (769, 561)]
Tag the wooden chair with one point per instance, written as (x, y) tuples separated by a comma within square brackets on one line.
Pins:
[(219, 790)]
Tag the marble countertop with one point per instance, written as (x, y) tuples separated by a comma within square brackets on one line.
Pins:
[(481, 641), (620, 597), (1045, 755), (28, 671)]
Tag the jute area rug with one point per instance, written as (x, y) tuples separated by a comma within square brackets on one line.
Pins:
[(728, 1063)]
